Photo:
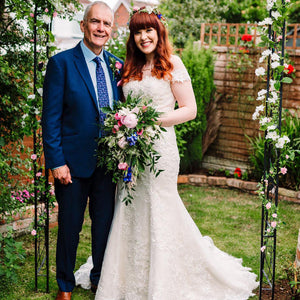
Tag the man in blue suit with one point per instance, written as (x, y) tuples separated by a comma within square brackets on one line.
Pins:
[(71, 125)]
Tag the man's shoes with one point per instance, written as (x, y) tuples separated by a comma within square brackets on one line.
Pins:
[(94, 288), (63, 295)]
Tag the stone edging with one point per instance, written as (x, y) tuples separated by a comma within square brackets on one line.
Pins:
[(224, 182), (22, 221)]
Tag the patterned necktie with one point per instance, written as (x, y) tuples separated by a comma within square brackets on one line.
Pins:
[(103, 99)]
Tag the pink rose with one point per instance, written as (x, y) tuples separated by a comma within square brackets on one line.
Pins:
[(140, 131), (118, 65), (123, 166), (33, 232), (135, 110), (117, 117), (144, 108), (120, 123), (38, 174), (268, 230), (130, 121), (54, 14), (31, 15), (33, 156), (273, 224), (46, 10), (287, 157), (263, 248), (268, 205), (283, 170), (122, 142), (115, 129), (274, 215)]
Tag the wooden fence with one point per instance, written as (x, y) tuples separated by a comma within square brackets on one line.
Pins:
[(238, 93), (229, 34)]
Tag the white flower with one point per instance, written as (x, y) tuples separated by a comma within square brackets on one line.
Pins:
[(264, 121), (262, 92), (24, 116), (275, 14), (260, 71), (275, 57), (255, 116), (272, 135), (31, 96), (46, 19), (272, 100), (266, 21), (267, 53), (275, 64), (260, 108), (280, 143), (272, 127), (40, 91), (270, 4)]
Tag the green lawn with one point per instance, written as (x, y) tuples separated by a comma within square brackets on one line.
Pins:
[(231, 218)]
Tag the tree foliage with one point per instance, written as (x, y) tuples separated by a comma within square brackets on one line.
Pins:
[(185, 16)]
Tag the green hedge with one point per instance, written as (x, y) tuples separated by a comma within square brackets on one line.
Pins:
[(200, 65)]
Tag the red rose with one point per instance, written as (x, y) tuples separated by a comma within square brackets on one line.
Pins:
[(247, 37), (290, 69)]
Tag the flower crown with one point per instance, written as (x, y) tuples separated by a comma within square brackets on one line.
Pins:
[(149, 10)]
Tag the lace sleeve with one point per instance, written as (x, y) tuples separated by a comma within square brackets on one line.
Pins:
[(180, 75)]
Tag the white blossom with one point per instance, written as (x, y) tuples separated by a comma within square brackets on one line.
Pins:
[(272, 135), (31, 96), (46, 19), (260, 71), (275, 64), (272, 127), (275, 14), (282, 141), (270, 4), (262, 92), (40, 91), (266, 21), (275, 57), (264, 121)]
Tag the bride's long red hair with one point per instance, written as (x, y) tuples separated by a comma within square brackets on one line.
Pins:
[(135, 59)]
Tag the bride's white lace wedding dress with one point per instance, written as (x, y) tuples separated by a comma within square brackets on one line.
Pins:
[(155, 251)]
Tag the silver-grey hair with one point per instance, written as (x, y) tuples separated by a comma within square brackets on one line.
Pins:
[(88, 8)]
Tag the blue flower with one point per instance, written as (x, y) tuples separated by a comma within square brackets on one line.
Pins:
[(132, 139), (127, 175)]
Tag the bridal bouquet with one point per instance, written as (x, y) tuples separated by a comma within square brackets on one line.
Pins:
[(127, 145)]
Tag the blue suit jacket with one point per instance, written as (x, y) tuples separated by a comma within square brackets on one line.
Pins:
[(70, 118)]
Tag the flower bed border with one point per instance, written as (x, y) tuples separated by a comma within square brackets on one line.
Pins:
[(246, 186), (22, 222)]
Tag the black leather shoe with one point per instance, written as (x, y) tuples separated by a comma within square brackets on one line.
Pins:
[(93, 288)]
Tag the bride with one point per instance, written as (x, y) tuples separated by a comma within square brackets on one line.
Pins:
[(155, 250)]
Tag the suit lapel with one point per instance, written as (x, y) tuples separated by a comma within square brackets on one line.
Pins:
[(112, 78), (83, 70)]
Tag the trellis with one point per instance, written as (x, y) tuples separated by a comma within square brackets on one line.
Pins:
[(271, 156)]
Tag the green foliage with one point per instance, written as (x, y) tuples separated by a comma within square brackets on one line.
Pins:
[(117, 45), (290, 128), (200, 65), (20, 107), (11, 255), (294, 12), (185, 16)]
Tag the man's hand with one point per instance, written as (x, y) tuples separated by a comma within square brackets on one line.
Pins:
[(62, 174)]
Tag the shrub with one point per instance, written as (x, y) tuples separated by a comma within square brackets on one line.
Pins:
[(200, 65)]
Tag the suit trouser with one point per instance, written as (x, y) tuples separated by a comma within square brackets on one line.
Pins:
[(72, 201)]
